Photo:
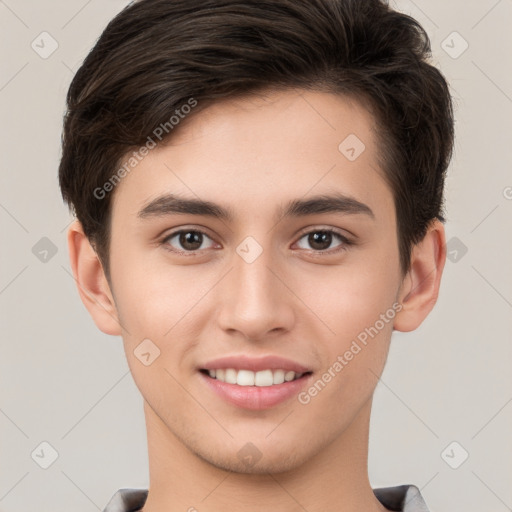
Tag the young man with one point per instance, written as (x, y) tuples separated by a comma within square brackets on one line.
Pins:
[(258, 188)]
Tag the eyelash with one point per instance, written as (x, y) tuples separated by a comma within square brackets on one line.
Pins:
[(316, 252)]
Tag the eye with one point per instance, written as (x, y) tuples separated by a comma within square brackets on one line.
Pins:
[(192, 240), (321, 239), (188, 240)]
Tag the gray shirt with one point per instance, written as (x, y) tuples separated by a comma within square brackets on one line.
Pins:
[(401, 498)]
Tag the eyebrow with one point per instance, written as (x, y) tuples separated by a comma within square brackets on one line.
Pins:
[(170, 204)]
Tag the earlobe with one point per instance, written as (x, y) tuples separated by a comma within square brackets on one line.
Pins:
[(420, 288), (91, 281)]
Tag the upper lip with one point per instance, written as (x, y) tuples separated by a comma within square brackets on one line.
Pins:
[(255, 364)]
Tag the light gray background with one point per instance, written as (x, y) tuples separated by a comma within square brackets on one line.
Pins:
[(66, 383)]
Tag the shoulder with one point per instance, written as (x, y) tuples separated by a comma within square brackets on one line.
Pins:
[(401, 498), (127, 500)]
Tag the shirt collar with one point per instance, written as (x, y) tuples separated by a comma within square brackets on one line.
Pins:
[(401, 498)]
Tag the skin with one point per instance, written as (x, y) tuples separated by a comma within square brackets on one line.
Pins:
[(254, 154)]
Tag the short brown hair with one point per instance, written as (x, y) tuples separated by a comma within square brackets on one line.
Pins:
[(157, 54)]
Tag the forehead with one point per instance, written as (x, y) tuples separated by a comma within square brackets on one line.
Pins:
[(249, 152)]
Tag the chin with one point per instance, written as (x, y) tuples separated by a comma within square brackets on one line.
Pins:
[(263, 466), (259, 458)]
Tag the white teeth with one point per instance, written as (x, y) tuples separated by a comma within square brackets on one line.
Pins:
[(288, 376), (230, 376), (244, 378), (262, 378), (278, 376)]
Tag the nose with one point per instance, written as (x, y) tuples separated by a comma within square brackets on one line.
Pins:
[(254, 299)]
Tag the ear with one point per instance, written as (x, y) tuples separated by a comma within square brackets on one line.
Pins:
[(91, 281), (420, 287)]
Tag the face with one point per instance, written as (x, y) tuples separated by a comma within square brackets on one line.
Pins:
[(258, 245)]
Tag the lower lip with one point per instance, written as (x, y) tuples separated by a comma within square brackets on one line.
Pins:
[(256, 397)]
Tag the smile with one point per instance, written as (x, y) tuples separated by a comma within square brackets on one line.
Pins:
[(262, 378)]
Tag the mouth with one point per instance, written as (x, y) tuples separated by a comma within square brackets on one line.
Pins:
[(261, 378), (254, 383)]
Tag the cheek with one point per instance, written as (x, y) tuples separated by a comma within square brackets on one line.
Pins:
[(151, 296), (357, 302), (353, 357), (155, 305), (349, 299)]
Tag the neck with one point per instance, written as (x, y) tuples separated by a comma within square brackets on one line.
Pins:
[(334, 480)]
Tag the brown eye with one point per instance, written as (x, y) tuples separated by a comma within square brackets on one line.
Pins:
[(186, 240), (322, 239)]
